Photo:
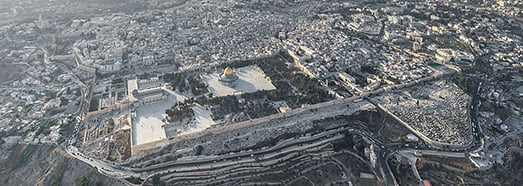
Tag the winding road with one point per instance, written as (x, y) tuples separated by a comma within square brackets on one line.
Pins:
[(385, 151)]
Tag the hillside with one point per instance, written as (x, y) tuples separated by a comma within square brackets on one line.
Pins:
[(23, 164)]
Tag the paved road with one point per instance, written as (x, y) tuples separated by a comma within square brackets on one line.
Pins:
[(383, 156), (284, 147), (457, 151), (188, 164), (270, 156), (103, 167)]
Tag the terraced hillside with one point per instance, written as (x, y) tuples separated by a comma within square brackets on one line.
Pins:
[(46, 165)]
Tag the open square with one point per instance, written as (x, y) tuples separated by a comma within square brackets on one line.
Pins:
[(148, 121)]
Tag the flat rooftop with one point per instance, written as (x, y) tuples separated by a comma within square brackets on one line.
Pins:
[(252, 79)]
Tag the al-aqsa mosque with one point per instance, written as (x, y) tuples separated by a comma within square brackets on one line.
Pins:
[(228, 77)]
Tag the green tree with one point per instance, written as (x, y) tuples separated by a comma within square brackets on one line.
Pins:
[(110, 121), (83, 181), (156, 180), (169, 112), (199, 150)]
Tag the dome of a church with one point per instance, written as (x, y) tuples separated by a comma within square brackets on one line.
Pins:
[(228, 71)]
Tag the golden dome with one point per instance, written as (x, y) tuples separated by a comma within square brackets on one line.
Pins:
[(228, 71)]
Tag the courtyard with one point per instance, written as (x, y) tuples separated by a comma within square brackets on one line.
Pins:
[(252, 79)]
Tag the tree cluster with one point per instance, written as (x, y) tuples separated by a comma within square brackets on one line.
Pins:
[(179, 112)]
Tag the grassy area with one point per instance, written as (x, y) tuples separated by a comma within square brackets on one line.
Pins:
[(82, 181), (466, 83), (57, 179), (199, 150), (447, 41), (134, 180), (292, 86), (285, 78), (297, 88), (437, 66), (12, 132), (44, 127), (28, 150)]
